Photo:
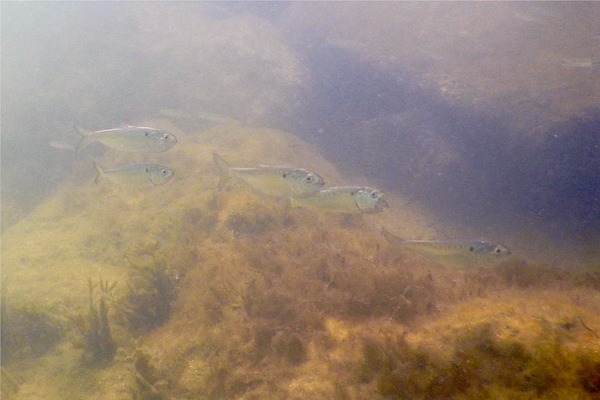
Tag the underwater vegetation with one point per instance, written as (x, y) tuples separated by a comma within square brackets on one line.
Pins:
[(147, 383), (229, 295), (481, 366), (147, 302), (28, 330), (250, 221), (99, 348)]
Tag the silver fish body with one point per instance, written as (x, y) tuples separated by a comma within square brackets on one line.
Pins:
[(580, 62), (272, 180), (345, 199), (138, 139), (137, 174), (457, 253)]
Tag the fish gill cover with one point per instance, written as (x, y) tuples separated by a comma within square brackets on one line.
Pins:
[(183, 290)]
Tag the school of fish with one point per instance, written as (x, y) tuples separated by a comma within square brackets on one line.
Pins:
[(302, 188)]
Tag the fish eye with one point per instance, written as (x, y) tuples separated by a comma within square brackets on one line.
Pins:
[(166, 136), (497, 250), (374, 195), (309, 178), (165, 172)]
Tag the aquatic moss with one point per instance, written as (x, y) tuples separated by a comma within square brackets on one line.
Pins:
[(241, 224), (251, 220), (269, 303), (393, 294), (262, 338), (99, 348), (525, 275), (290, 347), (147, 383), (481, 364), (28, 330), (147, 303)]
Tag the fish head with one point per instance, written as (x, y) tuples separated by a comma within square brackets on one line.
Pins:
[(370, 200), (303, 183), (488, 248), (500, 250), (159, 175), (160, 140)]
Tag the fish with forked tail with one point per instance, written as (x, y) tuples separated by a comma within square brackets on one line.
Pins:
[(345, 199), (457, 253), (272, 180), (129, 138), (137, 174)]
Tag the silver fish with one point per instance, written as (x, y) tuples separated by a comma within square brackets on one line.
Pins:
[(457, 253), (137, 174), (129, 138), (271, 180), (580, 62), (345, 199)]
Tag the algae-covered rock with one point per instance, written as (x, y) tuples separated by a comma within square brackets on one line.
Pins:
[(29, 330), (321, 307)]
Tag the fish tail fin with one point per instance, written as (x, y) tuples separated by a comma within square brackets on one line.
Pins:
[(99, 173), (223, 167), (390, 237), (86, 138)]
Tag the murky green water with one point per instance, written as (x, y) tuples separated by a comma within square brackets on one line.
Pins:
[(463, 114)]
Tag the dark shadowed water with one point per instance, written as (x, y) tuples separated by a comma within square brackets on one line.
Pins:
[(388, 127)]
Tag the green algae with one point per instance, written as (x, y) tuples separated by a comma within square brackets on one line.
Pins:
[(316, 307), (29, 330), (99, 347), (482, 365), (147, 302), (250, 222), (147, 383)]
